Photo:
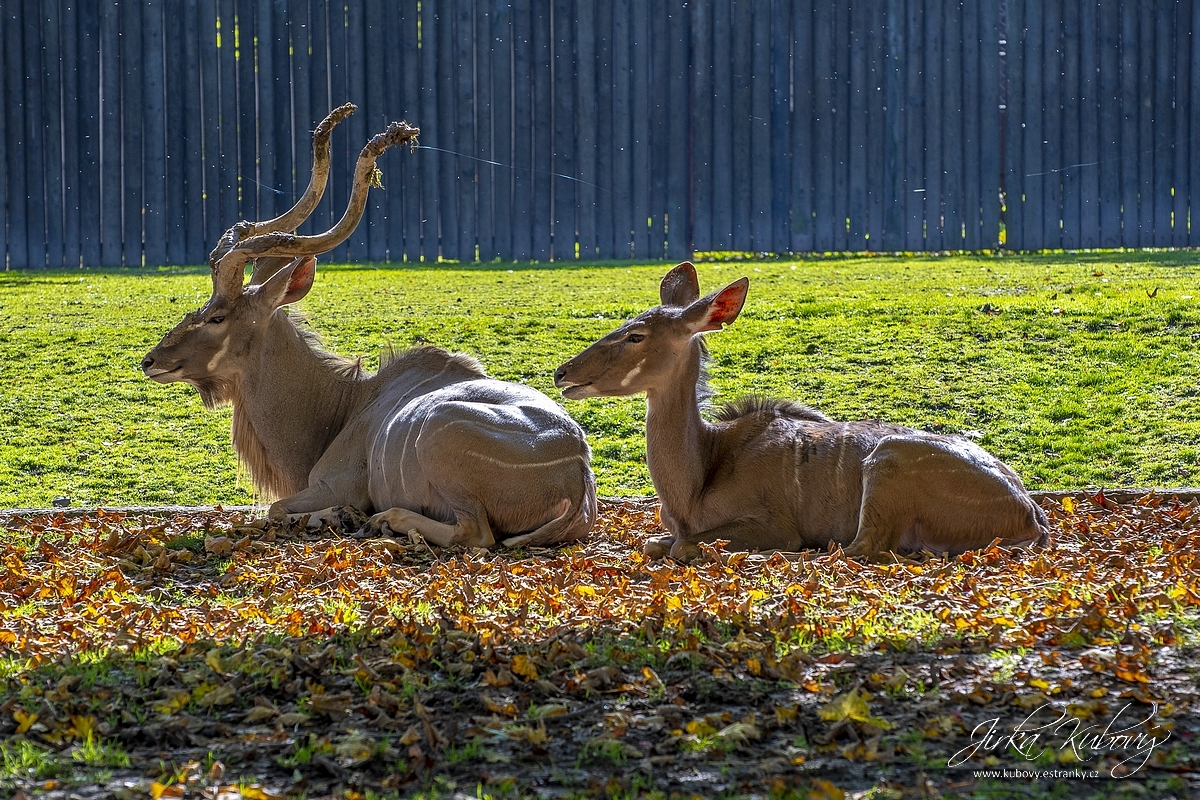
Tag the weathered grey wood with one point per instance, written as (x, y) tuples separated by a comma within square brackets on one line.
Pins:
[(841, 132), (193, 154), (210, 131), (605, 212), (990, 142), (6, 149), (1182, 137), (585, 129), (658, 75), (34, 152), (1014, 130), (952, 195), (933, 119), (280, 121), (1194, 154), (175, 135), (677, 210), (565, 156), (722, 131), (447, 75), (1109, 125), (408, 81), (761, 226), (347, 137), (1089, 116), (360, 126), (1070, 170), (1147, 19), (622, 125), (1052, 98), (543, 108), (1163, 120), (431, 174), (227, 125), (702, 126), (972, 127), (893, 152), (485, 133), (464, 128), (742, 24), (89, 131), (1130, 215), (781, 120), (322, 102), (639, 44), (823, 145), (914, 129), (154, 178), (374, 44), (268, 184), (857, 83), (291, 158), (1035, 181), (132, 120), (250, 177), (53, 53), (877, 68), (523, 138)]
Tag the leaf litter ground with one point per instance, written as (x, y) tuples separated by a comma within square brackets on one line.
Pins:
[(198, 654)]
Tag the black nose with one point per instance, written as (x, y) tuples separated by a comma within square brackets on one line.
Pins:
[(560, 373), (147, 362)]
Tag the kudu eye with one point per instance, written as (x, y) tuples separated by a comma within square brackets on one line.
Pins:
[(634, 338), (217, 320)]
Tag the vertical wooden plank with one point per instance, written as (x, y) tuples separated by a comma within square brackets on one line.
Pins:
[(260, 80), (640, 47), (971, 142), (543, 131), (1163, 119), (361, 126), (622, 200), (400, 183), (34, 155), (290, 159), (73, 103), (89, 132), (858, 81), (321, 102), (678, 227), (893, 152), (410, 64), (660, 52), (211, 114), (585, 129), (132, 120), (280, 124), (432, 179), (500, 57), (51, 92), (565, 159), (464, 128), (250, 178), (483, 131), (4, 154), (841, 131), (952, 119), (1109, 124), (1147, 19), (781, 122), (721, 122), (876, 133), (1130, 85), (1052, 71), (374, 45), (523, 132), (989, 124), (195, 227), (1194, 152), (914, 128), (348, 138), (15, 139), (933, 119), (761, 190), (452, 238), (702, 126), (1014, 128), (824, 236), (1070, 170), (229, 188), (175, 134), (1089, 115), (742, 23), (154, 126), (1182, 137), (603, 124)]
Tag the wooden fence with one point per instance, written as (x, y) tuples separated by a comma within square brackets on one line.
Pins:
[(135, 132)]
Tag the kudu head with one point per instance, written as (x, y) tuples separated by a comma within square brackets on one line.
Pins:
[(649, 351), (216, 343)]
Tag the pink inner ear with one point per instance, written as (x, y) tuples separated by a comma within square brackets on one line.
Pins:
[(725, 307)]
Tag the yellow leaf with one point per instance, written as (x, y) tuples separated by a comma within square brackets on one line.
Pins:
[(213, 659), (825, 790), (411, 736), (584, 591), (853, 706), (1100, 692), (1038, 683), (522, 665), (1068, 505), (158, 790), (257, 793), (700, 727), (85, 727), (24, 719)]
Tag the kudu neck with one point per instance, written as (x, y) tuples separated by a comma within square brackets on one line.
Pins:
[(290, 407), (677, 437)]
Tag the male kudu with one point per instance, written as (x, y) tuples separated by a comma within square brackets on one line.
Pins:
[(430, 442), (775, 475)]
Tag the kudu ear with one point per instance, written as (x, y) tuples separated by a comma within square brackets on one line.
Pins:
[(718, 309), (290, 283), (679, 287)]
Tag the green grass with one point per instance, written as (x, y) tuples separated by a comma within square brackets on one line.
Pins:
[(1102, 392)]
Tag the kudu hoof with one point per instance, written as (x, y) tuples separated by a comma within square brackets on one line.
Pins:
[(658, 546)]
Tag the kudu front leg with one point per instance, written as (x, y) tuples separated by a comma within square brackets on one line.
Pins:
[(742, 535), (467, 531), (317, 503)]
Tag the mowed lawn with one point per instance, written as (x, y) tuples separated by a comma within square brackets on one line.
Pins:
[(1079, 370)]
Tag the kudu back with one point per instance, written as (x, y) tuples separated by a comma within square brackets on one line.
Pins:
[(770, 474), (428, 443)]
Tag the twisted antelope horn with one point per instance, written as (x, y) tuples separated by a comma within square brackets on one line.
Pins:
[(229, 284), (280, 244)]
